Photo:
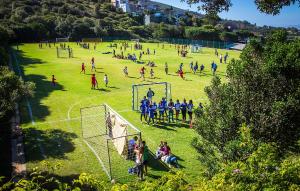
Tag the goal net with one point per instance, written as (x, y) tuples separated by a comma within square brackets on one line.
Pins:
[(62, 39), (160, 89), (111, 138), (64, 52)]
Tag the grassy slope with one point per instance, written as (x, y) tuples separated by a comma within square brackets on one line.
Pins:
[(60, 141)]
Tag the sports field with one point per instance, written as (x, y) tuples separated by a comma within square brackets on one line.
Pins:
[(53, 130)]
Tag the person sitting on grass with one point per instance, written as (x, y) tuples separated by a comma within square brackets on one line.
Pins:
[(171, 160), (159, 152)]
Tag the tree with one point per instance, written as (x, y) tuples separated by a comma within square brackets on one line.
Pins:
[(12, 90), (266, 6), (262, 92)]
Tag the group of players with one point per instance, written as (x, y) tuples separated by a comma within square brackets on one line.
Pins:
[(164, 110)]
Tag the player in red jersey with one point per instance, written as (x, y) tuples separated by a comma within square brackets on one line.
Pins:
[(82, 68), (53, 80), (181, 74), (94, 82)]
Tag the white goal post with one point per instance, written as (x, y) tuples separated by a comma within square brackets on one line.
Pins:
[(160, 89), (109, 136)]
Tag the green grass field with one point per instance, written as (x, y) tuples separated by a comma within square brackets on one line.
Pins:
[(54, 134)]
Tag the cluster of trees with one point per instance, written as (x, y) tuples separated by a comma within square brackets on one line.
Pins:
[(30, 20), (249, 133), (27, 20)]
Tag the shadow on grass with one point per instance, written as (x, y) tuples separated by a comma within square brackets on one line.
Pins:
[(53, 143), (43, 87), (156, 164)]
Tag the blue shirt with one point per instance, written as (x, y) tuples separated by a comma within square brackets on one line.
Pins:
[(177, 106), (151, 112), (161, 108), (190, 107), (143, 108), (183, 106)]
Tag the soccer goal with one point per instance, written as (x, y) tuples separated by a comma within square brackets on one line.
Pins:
[(64, 52), (62, 39), (110, 137), (160, 89), (195, 48)]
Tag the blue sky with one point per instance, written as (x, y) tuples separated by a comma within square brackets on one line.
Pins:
[(246, 10)]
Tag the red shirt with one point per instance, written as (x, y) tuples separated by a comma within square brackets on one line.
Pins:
[(94, 80), (82, 67)]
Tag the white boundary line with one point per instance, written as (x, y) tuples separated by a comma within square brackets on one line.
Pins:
[(28, 103), (100, 161)]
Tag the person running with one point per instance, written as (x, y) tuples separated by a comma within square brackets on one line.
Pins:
[(94, 82), (171, 111), (214, 68), (93, 64), (150, 94), (125, 70), (166, 68), (183, 110), (177, 110), (105, 79), (201, 68), (142, 72), (181, 74), (180, 67), (192, 66), (190, 107), (221, 58), (82, 68), (151, 73), (53, 80), (195, 67)]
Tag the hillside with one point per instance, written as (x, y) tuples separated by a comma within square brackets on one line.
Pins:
[(37, 20)]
